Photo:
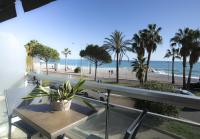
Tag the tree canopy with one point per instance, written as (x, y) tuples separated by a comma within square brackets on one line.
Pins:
[(30, 46), (66, 52), (45, 53), (97, 55)]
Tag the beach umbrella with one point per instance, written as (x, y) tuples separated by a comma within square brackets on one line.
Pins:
[(29, 5), (8, 10)]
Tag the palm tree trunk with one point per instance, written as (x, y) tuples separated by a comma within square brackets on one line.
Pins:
[(90, 68), (117, 68), (28, 63), (95, 75), (47, 68), (148, 60), (65, 64), (189, 75), (141, 81), (173, 80), (32, 64), (184, 67)]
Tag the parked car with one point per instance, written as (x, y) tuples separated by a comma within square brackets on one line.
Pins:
[(195, 86), (54, 86), (184, 92), (33, 80), (95, 94)]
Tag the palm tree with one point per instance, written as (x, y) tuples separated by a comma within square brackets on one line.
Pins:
[(183, 39), (30, 54), (194, 52), (138, 44), (151, 37), (118, 45), (194, 57), (174, 53), (66, 52), (139, 67)]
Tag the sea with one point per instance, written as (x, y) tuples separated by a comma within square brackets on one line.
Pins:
[(159, 67)]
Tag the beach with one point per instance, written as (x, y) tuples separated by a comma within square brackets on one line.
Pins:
[(125, 73), (159, 70), (160, 67)]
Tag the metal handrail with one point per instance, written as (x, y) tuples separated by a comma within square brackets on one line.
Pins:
[(133, 128), (144, 94), (138, 110)]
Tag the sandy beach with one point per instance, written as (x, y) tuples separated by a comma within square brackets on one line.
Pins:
[(124, 74)]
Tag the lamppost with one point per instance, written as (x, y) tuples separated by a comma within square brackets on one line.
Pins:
[(168, 70), (81, 65)]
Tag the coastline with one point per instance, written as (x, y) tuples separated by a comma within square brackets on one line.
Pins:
[(160, 67), (124, 74)]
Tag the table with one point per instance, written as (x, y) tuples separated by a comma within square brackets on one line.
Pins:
[(51, 123)]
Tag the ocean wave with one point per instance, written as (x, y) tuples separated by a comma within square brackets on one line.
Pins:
[(161, 72)]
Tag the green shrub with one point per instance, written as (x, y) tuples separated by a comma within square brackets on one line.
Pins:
[(187, 131), (45, 83), (155, 85), (77, 70), (157, 107), (197, 94)]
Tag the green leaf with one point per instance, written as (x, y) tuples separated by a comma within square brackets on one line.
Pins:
[(89, 105)]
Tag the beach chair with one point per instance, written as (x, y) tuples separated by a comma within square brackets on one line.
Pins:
[(14, 100)]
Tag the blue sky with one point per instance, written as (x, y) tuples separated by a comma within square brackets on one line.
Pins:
[(76, 23)]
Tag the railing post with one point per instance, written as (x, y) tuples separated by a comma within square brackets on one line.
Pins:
[(9, 126), (107, 113)]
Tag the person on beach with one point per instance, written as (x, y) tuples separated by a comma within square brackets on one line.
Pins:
[(55, 67), (111, 72)]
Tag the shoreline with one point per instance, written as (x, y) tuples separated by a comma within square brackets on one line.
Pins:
[(124, 74), (152, 70), (158, 66)]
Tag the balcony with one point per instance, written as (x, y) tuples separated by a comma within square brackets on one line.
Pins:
[(114, 119)]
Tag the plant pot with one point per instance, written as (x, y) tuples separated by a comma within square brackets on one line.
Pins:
[(61, 106)]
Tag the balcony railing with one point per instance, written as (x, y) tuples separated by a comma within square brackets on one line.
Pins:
[(143, 94)]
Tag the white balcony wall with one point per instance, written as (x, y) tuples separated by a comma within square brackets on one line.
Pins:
[(12, 61), (36, 65)]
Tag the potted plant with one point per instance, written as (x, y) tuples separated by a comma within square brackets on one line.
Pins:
[(59, 99)]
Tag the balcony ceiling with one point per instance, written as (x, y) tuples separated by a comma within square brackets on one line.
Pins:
[(8, 10)]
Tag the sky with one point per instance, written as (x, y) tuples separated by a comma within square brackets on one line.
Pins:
[(75, 23)]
